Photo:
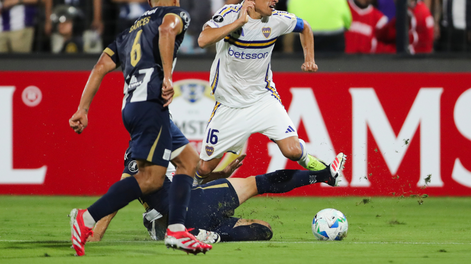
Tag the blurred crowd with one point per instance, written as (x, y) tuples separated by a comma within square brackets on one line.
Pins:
[(339, 26)]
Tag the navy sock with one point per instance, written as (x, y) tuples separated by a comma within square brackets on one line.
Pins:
[(118, 196), (179, 198), (252, 232), (282, 181)]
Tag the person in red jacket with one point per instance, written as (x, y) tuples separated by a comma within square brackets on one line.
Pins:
[(366, 22), (421, 30), (421, 27)]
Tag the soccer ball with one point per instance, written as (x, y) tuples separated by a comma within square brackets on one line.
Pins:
[(329, 224)]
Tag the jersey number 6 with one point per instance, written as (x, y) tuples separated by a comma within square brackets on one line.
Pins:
[(136, 49)]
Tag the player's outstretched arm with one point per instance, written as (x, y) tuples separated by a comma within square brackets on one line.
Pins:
[(307, 42), (211, 35), (170, 28), (100, 228), (79, 121), (227, 171)]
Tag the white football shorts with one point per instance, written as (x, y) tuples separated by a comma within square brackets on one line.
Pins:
[(229, 128)]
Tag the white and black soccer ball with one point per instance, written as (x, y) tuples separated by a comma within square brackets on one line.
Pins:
[(329, 224)]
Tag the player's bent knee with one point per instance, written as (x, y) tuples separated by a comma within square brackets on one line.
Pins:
[(261, 232), (186, 161), (291, 149), (293, 153), (149, 182)]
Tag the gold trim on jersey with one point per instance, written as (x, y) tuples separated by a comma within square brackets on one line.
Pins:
[(273, 91), (229, 9), (152, 150), (125, 175), (259, 44), (270, 88), (109, 52), (218, 186), (283, 13), (216, 79), (216, 106)]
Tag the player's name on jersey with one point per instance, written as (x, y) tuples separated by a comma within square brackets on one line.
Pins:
[(141, 22)]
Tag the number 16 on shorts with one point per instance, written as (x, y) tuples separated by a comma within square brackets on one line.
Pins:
[(212, 136)]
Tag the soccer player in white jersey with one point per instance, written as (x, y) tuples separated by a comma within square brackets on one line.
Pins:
[(241, 80)]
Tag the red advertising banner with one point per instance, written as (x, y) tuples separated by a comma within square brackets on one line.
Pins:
[(404, 133)]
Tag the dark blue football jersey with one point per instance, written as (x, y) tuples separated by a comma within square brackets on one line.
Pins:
[(137, 51)]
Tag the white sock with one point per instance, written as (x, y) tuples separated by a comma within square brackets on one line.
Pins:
[(304, 160), (88, 220), (176, 227)]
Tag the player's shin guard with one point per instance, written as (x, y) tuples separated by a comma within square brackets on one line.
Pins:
[(118, 196), (282, 181)]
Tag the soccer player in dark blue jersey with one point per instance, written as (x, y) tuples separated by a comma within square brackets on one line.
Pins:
[(212, 205), (146, 53)]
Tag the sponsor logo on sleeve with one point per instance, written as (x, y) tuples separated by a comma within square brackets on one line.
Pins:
[(186, 19)]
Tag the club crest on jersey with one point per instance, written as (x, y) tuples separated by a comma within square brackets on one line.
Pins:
[(132, 166), (209, 150), (266, 32)]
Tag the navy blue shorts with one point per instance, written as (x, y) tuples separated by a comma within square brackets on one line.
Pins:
[(212, 206), (148, 124), (178, 140)]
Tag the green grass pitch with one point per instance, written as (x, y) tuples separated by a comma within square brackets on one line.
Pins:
[(35, 229)]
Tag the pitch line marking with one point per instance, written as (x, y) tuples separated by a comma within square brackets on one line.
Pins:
[(260, 242)]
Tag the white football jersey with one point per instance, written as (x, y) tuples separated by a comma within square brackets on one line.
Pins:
[(241, 71)]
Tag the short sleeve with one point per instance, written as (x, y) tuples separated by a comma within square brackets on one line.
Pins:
[(112, 51), (224, 16), (288, 22), (185, 16), (299, 25), (182, 14)]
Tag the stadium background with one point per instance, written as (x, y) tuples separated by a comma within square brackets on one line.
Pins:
[(402, 119), (41, 154)]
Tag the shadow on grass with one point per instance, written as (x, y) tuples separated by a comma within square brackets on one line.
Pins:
[(35, 244)]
